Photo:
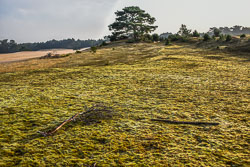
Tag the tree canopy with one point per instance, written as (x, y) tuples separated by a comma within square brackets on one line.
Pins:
[(132, 22)]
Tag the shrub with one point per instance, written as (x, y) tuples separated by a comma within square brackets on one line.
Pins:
[(214, 37), (195, 34), (155, 37), (148, 38), (217, 32), (162, 39), (104, 43), (228, 38), (167, 42), (243, 36), (173, 38), (206, 37), (184, 39), (78, 51), (93, 49), (222, 37), (130, 41)]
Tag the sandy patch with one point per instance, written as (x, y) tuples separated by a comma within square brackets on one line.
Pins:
[(18, 56)]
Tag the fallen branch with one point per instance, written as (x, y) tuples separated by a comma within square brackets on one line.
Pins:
[(94, 109), (63, 123), (184, 122)]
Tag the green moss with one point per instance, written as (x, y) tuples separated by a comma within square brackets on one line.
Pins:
[(140, 82)]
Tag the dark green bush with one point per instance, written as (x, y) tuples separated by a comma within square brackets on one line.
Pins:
[(184, 39), (78, 51), (147, 38), (222, 37), (93, 49), (155, 37), (130, 41), (167, 42), (243, 36), (104, 43), (214, 37), (195, 34), (173, 38), (217, 32), (228, 38), (206, 37)]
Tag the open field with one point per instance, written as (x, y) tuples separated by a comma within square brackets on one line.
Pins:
[(19, 56), (140, 82)]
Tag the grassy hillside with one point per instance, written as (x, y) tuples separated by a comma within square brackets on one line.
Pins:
[(140, 82)]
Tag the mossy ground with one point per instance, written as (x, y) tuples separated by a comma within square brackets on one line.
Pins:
[(140, 82)]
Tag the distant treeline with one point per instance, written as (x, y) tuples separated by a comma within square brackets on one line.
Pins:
[(235, 30), (10, 46)]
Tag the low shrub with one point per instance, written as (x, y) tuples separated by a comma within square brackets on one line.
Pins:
[(167, 42), (155, 37), (93, 49), (222, 37), (243, 36), (228, 38), (206, 37), (195, 34), (104, 43), (173, 38)]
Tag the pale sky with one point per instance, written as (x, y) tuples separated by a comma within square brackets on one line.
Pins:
[(42, 20)]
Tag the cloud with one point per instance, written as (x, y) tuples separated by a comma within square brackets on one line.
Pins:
[(36, 20)]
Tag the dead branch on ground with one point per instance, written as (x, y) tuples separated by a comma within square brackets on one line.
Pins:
[(91, 115), (184, 122)]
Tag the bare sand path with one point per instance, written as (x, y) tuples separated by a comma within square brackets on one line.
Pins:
[(18, 56)]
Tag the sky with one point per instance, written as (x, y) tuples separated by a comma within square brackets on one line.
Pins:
[(42, 20)]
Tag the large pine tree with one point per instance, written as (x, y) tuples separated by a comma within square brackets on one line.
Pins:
[(132, 21)]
